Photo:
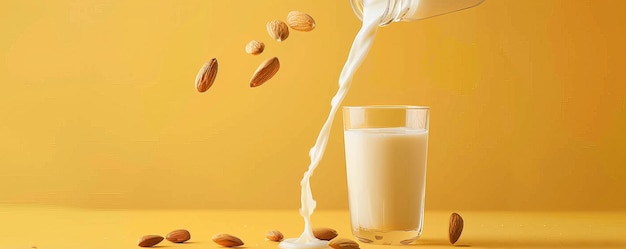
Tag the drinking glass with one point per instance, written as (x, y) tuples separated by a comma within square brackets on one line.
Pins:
[(386, 149)]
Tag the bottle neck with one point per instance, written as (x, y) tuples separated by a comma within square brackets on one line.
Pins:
[(407, 10), (395, 10)]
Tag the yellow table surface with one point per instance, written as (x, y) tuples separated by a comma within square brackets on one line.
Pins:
[(46, 227)]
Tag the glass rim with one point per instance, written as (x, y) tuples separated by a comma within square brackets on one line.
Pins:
[(406, 107)]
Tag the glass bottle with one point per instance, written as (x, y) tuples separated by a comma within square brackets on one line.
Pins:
[(411, 10)]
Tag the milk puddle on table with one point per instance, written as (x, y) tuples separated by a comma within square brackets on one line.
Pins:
[(373, 11)]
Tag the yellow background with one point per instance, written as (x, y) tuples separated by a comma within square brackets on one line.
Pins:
[(98, 107)]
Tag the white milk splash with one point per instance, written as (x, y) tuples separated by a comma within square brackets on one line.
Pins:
[(373, 11)]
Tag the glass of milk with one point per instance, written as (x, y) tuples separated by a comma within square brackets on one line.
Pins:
[(386, 148)]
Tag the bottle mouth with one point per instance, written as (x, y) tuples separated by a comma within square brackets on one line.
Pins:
[(385, 19), (357, 7), (397, 107), (408, 10)]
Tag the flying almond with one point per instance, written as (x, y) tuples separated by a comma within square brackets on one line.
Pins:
[(227, 240), (255, 47), (265, 71), (206, 75), (300, 21), (456, 227), (278, 30)]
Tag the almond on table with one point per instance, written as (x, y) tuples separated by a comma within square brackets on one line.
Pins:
[(227, 240), (342, 243), (178, 236), (324, 233), (149, 240), (274, 235), (456, 227)]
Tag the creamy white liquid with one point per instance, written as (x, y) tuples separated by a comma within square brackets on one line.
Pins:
[(386, 170), (372, 14)]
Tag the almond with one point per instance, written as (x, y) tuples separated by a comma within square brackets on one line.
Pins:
[(456, 227), (265, 71), (149, 240), (324, 233), (255, 47), (227, 240), (206, 75), (300, 21), (278, 30), (178, 236), (341, 243), (274, 235)]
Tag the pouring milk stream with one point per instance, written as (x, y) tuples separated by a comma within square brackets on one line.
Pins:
[(373, 13)]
